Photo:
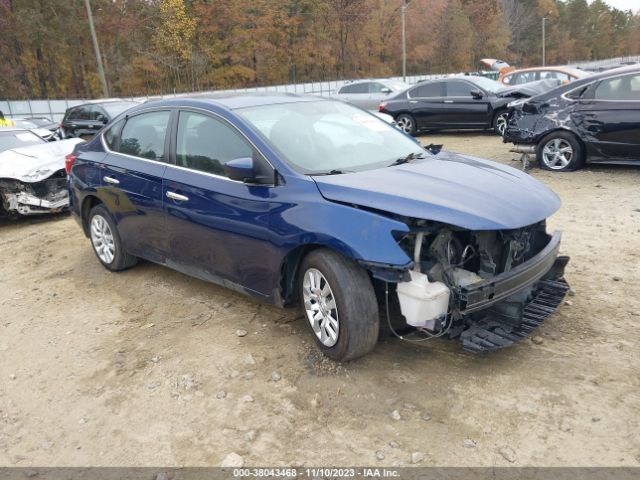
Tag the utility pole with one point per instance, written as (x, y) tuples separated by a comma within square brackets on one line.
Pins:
[(96, 48), (544, 41), (403, 10)]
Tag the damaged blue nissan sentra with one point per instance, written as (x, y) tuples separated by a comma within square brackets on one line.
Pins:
[(301, 200)]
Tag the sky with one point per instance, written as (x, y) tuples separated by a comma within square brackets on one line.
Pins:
[(624, 4)]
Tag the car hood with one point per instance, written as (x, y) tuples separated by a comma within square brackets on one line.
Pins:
[(530, 89), (459, 190), (35, 163)]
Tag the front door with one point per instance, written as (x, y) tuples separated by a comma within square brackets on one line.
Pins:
[(612, 119), (217, 228), (463, 109)]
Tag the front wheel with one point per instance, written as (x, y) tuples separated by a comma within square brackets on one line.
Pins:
[(560, 152), (339, 305), (407, 124), (500, 122)]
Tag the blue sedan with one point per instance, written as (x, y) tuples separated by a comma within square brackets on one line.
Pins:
[(314, 202)]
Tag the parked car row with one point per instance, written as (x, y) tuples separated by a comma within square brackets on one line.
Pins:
[(591, 120)]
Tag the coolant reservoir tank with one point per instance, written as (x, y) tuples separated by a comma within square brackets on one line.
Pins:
[(422, 301)]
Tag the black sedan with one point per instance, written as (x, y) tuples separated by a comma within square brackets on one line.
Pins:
[(595, 120), (465, 102)]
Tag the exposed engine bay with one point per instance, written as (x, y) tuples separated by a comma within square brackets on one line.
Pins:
[(487, 288), (28, 198)]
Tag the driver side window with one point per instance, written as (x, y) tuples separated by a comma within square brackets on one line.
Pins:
[(206, 143)]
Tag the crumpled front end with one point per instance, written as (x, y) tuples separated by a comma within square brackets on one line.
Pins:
[(49, 195), (487, 288)]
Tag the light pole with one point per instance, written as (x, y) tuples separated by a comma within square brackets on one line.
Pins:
[(403, 9), (96, 48)]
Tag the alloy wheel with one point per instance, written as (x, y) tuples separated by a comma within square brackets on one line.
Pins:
[(405, 124), (501, 123), (102, 239), (320, 307), (557, 154)]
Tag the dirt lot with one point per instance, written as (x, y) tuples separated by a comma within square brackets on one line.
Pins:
[(145, 367)]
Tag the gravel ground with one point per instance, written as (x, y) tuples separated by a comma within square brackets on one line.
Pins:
[(150, 367)]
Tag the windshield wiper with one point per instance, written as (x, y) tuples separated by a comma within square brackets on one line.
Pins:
[(405, 159), (333, 172)]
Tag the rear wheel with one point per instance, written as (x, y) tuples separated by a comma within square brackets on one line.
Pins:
[(407, 124), (339, 305), (560, 152), (106, 241)]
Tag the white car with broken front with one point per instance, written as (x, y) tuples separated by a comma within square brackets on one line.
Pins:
[(33, 179)]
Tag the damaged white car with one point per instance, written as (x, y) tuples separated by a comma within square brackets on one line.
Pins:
[(33, 178)]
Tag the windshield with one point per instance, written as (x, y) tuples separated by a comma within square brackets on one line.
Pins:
[(40, 122), (18, 138), (25, 124), (397, 86), (116, 108), (329, 136)]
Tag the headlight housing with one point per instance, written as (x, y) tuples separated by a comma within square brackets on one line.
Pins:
[(517, 103)]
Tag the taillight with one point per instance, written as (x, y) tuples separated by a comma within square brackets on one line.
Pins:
[(381, 106), (69, 160)]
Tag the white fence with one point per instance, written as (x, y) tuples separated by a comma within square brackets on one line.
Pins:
[(54, 109)]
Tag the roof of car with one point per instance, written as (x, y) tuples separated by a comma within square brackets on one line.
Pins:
[(233, 101), (103, 102)]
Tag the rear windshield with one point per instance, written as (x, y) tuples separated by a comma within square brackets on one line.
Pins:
[(116, 108), (18, 138)]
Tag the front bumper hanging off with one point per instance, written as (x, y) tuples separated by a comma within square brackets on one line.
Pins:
[(500, 311), (496, 331)]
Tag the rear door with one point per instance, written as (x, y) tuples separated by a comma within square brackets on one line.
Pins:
[(132, 181), (217, 228), (357, 94), (462, 109), (610, 113), (426, 103)]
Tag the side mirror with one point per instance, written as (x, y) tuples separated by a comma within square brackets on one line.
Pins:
[(102, 119), (477, 93), (240, 169), (385, 90)]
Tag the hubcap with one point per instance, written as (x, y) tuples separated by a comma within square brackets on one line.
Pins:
[(405, 124), (501, 123), (320, 306), (102, 239), (557, 154)]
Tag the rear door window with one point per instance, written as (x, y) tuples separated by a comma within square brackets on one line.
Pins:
[(435, 89), (144, 136), (205, 143)]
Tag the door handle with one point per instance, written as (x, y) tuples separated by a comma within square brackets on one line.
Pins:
[(448, 101), (177, 196), (413, 101), (111, 180)]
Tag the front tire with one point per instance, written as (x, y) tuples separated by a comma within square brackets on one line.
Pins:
[(339, 305), (106, 241), (500, 122), (407, 123), (560, 152)]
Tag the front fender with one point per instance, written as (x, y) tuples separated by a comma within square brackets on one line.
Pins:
[(355, 233)]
